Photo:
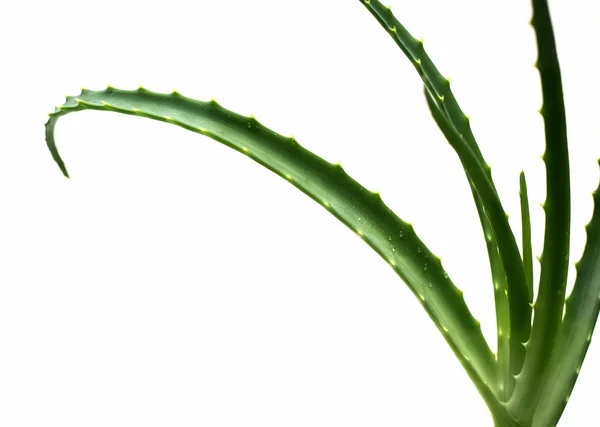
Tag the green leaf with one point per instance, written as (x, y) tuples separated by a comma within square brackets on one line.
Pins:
[(507, 246), (359, 209), (434, 81), (581, 313), (510, 357), (555, 255), (526, 232)]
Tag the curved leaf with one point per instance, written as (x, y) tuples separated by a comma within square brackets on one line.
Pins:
[(359, 209), (513, 314)]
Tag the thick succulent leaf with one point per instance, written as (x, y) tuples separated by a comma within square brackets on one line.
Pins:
[(526, 234), (581, 313), (504, 366), (507, 246), (434, 81), (555, 256), (510, 358), (359, 209)]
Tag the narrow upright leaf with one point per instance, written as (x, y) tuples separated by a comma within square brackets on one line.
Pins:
[(526, 232), (581, 314), (510, 356), (555, 256), (507, 246)]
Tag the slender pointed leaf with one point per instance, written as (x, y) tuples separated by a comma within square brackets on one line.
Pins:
[(581, 314), (526, 232), (555, 255), (507, 246), (510, 358)]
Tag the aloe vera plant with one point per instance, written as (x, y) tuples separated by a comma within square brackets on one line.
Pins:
[(541, 343)]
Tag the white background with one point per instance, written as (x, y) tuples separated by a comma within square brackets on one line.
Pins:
[(175, 282)]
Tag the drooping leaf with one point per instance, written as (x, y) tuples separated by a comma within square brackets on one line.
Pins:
[(359, 209)]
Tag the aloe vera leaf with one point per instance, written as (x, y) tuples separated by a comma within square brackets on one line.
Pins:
[(359, 209), (444, 99), (526, 234), (504, 367), (505, 379), (581, 314), (507, 246), (434, 81), (555, 255)]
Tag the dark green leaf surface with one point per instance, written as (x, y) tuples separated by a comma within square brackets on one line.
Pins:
[(555, 256), (507, 298), (361, 210), (507, 246), (581, 313), (526, 231)]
